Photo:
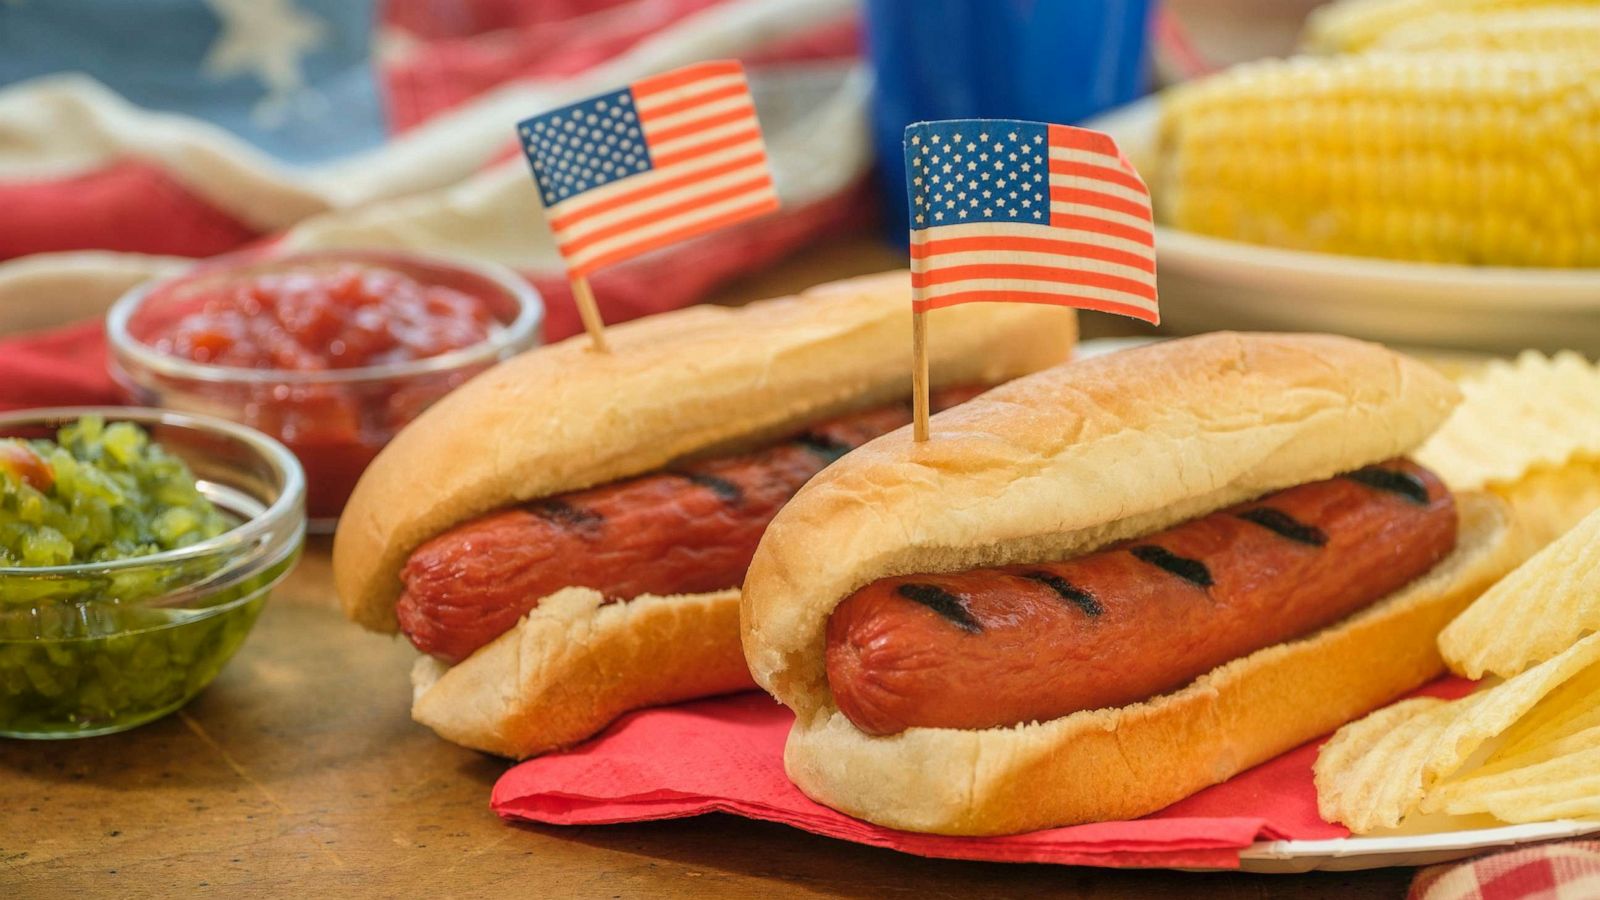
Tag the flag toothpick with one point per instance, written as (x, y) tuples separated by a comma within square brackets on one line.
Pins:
[(1023, 212)]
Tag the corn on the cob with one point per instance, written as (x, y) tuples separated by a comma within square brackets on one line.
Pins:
[(1551, 29), (1350, 25), (1477, 158)]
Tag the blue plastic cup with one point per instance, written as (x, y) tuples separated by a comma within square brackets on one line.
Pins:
[(1044, 60)]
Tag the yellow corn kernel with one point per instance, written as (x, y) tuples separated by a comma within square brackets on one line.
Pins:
[(1347, 26), (1544, 30), (1452, 157)]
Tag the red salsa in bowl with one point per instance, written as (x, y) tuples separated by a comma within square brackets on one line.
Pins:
[(345, 317), (332, 353)]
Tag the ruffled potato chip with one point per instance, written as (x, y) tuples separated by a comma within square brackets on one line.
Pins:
[(1537, 611), (1516, 416), (1547, 503), (1571, 709), (1560, 785), (1370, 773), (1377, 770), (1547, 765)]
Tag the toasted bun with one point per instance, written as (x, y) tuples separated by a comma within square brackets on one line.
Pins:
[(573, 664), (562, 417), (1121, 763), (1059, 463)]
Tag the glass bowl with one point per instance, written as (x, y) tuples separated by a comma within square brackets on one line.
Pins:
[(335, 420), (101, 647)]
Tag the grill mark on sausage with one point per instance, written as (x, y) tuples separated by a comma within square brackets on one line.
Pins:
[(722, 487), (942, 602), (1069, 592), (1284, 525), (1403, 483), (1191, 570), (823, 447), (563, 513)]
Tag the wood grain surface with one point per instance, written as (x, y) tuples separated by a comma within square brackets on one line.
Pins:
[(300, 773)]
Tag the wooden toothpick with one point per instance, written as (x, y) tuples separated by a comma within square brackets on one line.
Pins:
[(919, 376), (589, 312)]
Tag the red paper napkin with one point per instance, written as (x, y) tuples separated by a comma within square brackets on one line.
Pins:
[(726, 755)]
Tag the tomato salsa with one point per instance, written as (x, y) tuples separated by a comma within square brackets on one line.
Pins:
[(342, 328), (341, 318)]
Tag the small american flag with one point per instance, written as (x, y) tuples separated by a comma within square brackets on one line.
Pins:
[(665, 158), (1029, 213)]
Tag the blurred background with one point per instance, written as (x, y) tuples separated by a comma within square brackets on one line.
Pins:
[(1422, 172)]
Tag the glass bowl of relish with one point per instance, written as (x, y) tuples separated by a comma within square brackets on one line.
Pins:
[(331, 352), (137, 548)]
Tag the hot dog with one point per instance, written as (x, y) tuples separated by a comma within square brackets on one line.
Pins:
[(1100, 588), (564, 535), (691, 530), (1136, 619)]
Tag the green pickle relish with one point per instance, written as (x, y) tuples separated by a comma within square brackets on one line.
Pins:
[(97, 493), (97, 651)]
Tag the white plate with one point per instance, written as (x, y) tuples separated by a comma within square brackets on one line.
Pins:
[(1209, 283), (1346, 854)]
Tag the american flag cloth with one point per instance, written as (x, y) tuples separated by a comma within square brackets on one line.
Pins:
[(1568, 871), (137, 137), (665, 158), (1026, 212)]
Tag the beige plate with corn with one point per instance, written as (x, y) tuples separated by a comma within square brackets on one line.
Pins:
[(1213, 282), (1427, 173)]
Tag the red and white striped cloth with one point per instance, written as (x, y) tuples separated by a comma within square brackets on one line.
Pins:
[(1569, 871), (702, 166), (100, 194)]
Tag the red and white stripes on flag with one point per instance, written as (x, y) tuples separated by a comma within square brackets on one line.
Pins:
[(1024, 212), (667, 158)]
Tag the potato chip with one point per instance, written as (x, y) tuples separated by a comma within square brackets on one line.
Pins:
[(1571, 709), (1546, 503), (1369, 774), (1546, 765), (1536, 755), (1377, 770), (1565, 786), (1515, 416), (1537, 611)]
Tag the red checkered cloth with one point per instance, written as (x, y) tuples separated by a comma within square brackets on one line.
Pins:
[(1569, 871)]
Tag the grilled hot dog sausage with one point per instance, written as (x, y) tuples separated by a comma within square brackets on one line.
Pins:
[(687, 531), (1015, 644)]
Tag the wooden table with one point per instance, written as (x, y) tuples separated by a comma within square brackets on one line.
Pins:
[(300, 772)]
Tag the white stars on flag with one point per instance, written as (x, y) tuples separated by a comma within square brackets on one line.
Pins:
[(929, 167)]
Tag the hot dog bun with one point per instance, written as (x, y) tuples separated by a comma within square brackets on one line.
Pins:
[(572, 665), (1060, 463), (562, 417)]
